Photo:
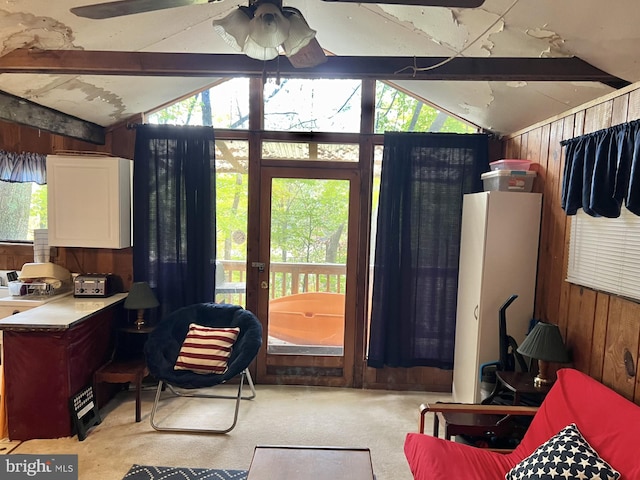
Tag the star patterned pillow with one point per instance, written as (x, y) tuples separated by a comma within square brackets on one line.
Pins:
[(566, 455)]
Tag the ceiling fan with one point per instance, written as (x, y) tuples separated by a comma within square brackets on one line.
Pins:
[(261, 30)]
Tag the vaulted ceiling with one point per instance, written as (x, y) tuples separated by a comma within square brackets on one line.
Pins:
[(571, 51)]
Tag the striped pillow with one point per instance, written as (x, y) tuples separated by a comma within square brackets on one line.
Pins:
[(206, 350)]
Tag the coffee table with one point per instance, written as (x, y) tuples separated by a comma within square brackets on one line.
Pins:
[(302, 463)]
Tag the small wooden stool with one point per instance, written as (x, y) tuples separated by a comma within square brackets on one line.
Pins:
[(124, 371)]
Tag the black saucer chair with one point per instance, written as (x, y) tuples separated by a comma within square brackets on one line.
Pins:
[(164, 344)]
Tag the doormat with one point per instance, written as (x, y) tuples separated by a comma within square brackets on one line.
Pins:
[(146, 472)]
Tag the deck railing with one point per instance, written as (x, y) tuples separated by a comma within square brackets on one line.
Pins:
[(286, 279)]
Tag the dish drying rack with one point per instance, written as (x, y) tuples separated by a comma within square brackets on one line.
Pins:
[(32, 289)]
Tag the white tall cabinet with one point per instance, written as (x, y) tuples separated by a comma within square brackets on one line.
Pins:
[(498, 258)]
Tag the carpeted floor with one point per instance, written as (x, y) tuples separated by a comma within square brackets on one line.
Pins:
[(279, 415), (146, 472)]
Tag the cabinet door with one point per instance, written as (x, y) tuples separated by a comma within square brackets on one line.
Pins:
[(89, 201), (511, 260), (498, 258), (472, 247)]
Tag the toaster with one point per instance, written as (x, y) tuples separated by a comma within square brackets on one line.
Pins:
[(97, 285)]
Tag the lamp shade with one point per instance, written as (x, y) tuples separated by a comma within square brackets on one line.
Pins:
[(299, 33), (234, 28), (140, 297), (544, 342)]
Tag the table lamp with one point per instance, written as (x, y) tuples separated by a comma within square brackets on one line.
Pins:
[(544, 343), (140, 298)]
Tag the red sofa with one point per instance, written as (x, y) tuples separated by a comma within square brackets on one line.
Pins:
[(606, 420)]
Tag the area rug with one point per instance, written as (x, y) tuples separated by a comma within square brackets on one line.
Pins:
[(146, 472)]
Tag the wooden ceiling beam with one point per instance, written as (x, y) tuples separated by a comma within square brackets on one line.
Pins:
[(24, 112), (84, 62)]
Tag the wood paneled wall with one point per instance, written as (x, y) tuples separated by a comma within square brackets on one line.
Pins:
[(119, 142), (598, 328)]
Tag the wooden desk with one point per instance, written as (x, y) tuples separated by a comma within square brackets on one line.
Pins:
[(302, 463)]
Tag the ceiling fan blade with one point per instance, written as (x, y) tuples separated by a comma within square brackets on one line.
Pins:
[(120, 8), (421, 3), (308, 56)]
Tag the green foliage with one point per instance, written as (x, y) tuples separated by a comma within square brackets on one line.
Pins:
[(231, 218), (309, 220), (38, 212), (179, 113), (15, 199), (397, 111)]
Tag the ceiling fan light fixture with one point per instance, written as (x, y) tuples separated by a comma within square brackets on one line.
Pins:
[(299, 33), (259, 52), (264, 29), (268, 28), (234, 28)]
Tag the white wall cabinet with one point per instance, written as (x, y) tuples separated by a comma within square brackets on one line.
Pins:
[(89, 201), (498, 258)]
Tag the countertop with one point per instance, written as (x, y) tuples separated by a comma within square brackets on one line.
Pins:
[(58, 314), (30, 300)]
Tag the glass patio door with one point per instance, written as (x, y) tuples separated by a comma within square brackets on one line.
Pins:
[(308, 227)]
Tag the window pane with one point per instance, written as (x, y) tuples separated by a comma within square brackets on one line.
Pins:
[(232, 188), (309, 238), (225, 105), (23, 208), (398, 112), (296, 105), (331, 152)]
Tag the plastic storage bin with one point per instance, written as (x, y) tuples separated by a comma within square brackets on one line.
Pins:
[(510, 164), (508, 180)]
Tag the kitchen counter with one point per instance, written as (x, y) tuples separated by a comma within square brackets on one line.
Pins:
[(59, 312), (51, 353)]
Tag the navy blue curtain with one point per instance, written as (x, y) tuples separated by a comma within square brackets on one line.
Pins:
[(602, 172), (415, 278), (174, 244)]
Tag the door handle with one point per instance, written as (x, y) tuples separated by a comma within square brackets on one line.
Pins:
[(259, 265), (475, 312)]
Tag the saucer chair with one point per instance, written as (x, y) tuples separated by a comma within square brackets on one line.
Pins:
[(164, 345)]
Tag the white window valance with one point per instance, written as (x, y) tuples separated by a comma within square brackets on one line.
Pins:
[(23, 167)]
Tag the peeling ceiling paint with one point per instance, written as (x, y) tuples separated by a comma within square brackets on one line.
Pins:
[(604, 36), (439, 24), (80, 91), (24, 30), (552, 38), (477, 21)]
